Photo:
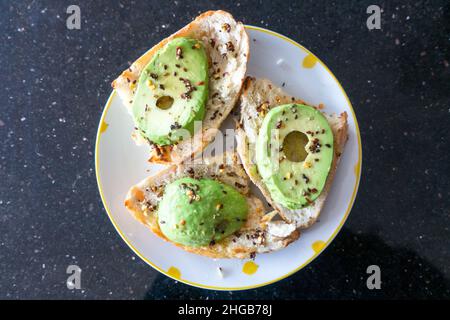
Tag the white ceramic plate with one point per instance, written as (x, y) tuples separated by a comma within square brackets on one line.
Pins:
[(120, 164)]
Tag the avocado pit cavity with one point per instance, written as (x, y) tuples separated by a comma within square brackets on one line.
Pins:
[(294, 146), (164, 102)]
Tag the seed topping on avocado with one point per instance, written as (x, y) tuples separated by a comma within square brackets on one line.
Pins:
[(287, 176), (307, 164), (315, 146), (189, 88), (179, 53), (279, 124), (305, 178), (175, 126)]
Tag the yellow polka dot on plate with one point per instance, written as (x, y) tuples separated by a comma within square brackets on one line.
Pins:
[(250, 268), (103, 126), (309, 61), (174, 273), (318, 246)]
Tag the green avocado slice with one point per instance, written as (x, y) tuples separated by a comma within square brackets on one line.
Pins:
[(294, 153), (172, 92), (200, 212)]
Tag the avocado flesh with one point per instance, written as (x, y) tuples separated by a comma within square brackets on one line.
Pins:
[(294, 184), (177, 75), (198, 212)]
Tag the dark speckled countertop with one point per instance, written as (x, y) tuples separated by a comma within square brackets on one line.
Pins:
[(55, 82)]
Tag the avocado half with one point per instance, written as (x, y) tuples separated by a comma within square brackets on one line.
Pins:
[(198, 212), (294, 153), (172, 92)]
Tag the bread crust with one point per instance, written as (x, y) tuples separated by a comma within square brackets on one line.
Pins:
[(261, 232), (259, 91), (224, 91)]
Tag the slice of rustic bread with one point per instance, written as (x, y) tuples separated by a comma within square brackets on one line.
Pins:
[(227, 45), (258, 92), (261, 232)]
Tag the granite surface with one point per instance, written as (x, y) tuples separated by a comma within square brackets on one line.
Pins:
[(55, 82)]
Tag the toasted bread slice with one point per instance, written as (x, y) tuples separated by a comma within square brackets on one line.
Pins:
[(261, 232), (257, 92), (226, 43)]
